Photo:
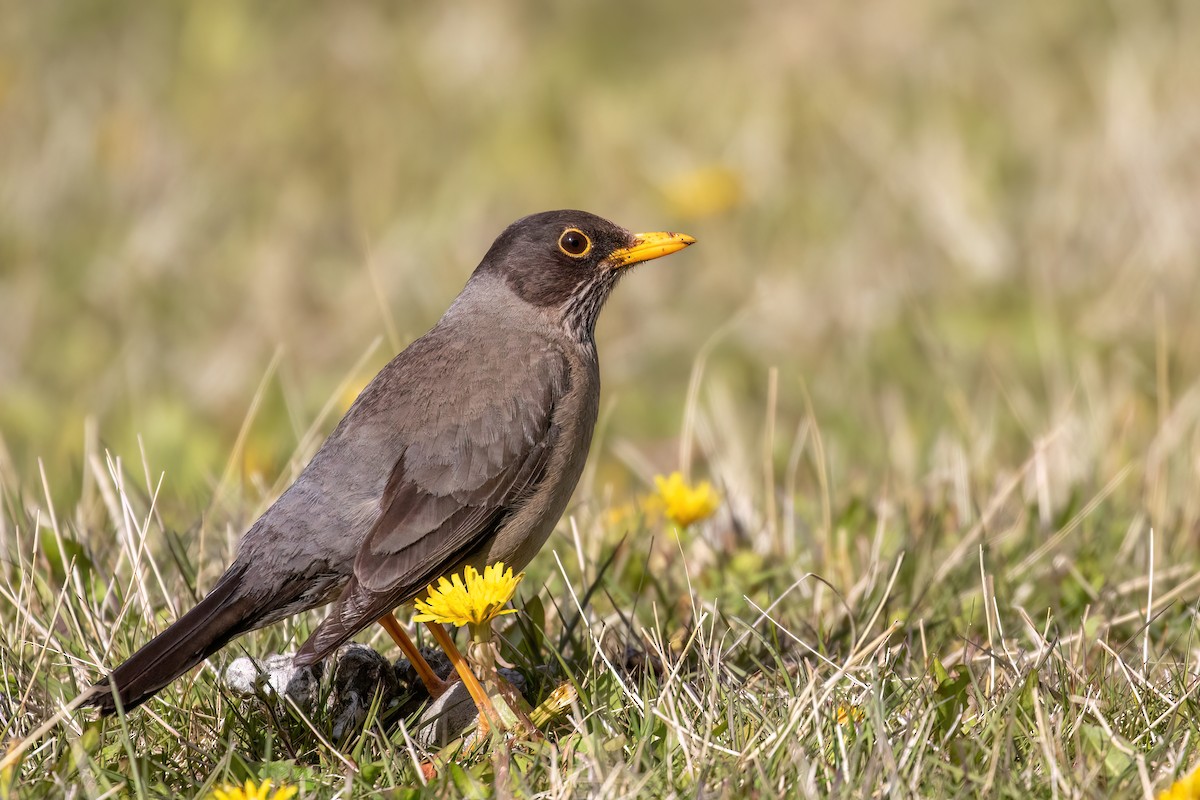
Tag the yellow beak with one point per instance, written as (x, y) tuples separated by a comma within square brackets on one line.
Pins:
[(647, 246)]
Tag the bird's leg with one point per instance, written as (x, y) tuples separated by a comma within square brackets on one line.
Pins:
[(488, 715), (433, 684)]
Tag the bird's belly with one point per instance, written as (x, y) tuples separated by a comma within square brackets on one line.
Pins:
[(525, 530), (522, 536)]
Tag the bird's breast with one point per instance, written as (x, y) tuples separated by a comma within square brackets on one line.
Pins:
[(527, 528)]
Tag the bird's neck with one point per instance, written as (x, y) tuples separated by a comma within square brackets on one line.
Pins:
[(489, 300), (579, 314)]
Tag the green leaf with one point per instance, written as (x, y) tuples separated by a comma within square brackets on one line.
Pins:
[(1099, 744), (535, 610), (468, 786), (90, 740), (406, 793), (950, 696), (369, 772), (61, 560), (1026, 699), (939, 672)]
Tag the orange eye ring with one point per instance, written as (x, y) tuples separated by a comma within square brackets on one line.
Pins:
[(574, 243)]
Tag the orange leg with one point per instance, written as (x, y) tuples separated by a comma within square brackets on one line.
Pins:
[(487, 712), (435, 685)]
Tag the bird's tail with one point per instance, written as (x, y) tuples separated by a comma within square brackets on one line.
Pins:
[(225, 612)]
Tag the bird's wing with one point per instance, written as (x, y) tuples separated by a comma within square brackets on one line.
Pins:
[(453, 484), (424, 530)]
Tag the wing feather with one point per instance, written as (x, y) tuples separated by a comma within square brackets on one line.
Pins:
[(449, 490)]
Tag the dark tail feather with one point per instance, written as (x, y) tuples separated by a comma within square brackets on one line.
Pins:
[(223, 614)]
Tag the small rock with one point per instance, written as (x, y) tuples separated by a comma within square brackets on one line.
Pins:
[(358, 673), (445, 718), (253, 677)]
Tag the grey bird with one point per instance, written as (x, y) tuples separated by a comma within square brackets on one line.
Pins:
[(463, 450)]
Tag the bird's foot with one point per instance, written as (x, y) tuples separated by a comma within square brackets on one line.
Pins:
[(439, 686)]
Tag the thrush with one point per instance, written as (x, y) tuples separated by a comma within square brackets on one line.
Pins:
[(463, 450)]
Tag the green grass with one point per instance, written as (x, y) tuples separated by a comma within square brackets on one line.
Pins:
[(937, 347)]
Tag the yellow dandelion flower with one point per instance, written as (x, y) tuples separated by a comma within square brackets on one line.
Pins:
[(1186, 788), (684, 504), (249, 791), (849, 714), (474, 601)]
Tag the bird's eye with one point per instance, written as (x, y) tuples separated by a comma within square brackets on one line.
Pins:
[(574, 243)]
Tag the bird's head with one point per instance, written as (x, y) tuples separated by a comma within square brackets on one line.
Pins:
[(569, 261)]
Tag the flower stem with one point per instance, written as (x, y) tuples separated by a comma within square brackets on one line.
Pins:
[(487, 711)]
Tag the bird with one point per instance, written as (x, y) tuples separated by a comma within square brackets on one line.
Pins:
[(463, 450)]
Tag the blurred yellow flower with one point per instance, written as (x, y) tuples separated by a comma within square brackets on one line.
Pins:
[(258, 461), (251, 792), (705, 192), (620, 515), (684, 504), (475, 601), (350, 393), (849, 714), (1186, 788)]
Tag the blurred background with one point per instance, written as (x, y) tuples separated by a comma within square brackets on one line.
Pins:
[(937, 229)]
